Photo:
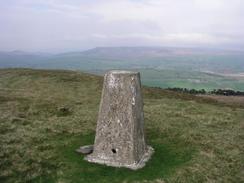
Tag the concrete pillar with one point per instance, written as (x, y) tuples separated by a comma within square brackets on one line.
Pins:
[(120, 139)]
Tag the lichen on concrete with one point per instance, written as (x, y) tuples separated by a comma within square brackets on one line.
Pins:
[(120, 139)]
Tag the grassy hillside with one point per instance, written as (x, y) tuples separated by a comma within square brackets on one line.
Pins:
[(195, 139)]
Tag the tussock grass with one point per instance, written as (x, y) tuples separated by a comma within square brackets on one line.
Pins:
[(45, 115)]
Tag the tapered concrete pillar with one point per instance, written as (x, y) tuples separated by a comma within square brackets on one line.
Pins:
[(120, 139)]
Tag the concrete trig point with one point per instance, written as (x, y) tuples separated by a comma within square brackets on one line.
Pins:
[(120, 139)]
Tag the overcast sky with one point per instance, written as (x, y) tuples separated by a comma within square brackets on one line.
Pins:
[(66, 25)]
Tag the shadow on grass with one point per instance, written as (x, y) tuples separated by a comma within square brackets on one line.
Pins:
[(167, 157)]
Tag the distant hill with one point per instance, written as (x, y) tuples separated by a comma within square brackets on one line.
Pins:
[(104, 58), (148, 52), (189, 59), (20, 58), (162, 66)]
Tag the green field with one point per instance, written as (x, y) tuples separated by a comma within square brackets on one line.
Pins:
[(195, 139), (185, 79), (190, 80)]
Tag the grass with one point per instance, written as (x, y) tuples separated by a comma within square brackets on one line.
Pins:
[(79, 170), (195, 139)]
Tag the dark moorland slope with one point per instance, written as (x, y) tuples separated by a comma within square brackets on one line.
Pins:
[(45, 115)]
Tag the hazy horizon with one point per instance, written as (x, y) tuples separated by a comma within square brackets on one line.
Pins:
[(192, 48), (63, 26)]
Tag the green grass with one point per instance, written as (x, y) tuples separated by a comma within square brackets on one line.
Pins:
[(79, 170), (195, 139)]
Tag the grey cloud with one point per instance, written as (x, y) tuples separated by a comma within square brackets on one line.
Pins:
[(61, 25)]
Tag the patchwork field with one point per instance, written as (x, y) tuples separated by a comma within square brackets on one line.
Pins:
[(186, 79), (195, 139), (191, 80)]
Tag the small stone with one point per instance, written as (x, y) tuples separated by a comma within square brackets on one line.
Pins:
[(63, 111), (85, 149)]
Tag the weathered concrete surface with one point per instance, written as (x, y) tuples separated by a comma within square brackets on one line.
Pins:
[(120, 137)]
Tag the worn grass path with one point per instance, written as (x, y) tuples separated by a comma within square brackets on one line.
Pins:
[(196, 140)]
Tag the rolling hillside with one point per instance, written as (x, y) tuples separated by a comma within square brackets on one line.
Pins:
[(162, 66), (195, 139)]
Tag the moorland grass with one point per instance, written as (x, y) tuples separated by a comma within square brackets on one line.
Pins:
[(195, 139)]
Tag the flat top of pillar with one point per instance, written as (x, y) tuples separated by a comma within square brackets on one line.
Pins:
[(122, 72)]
